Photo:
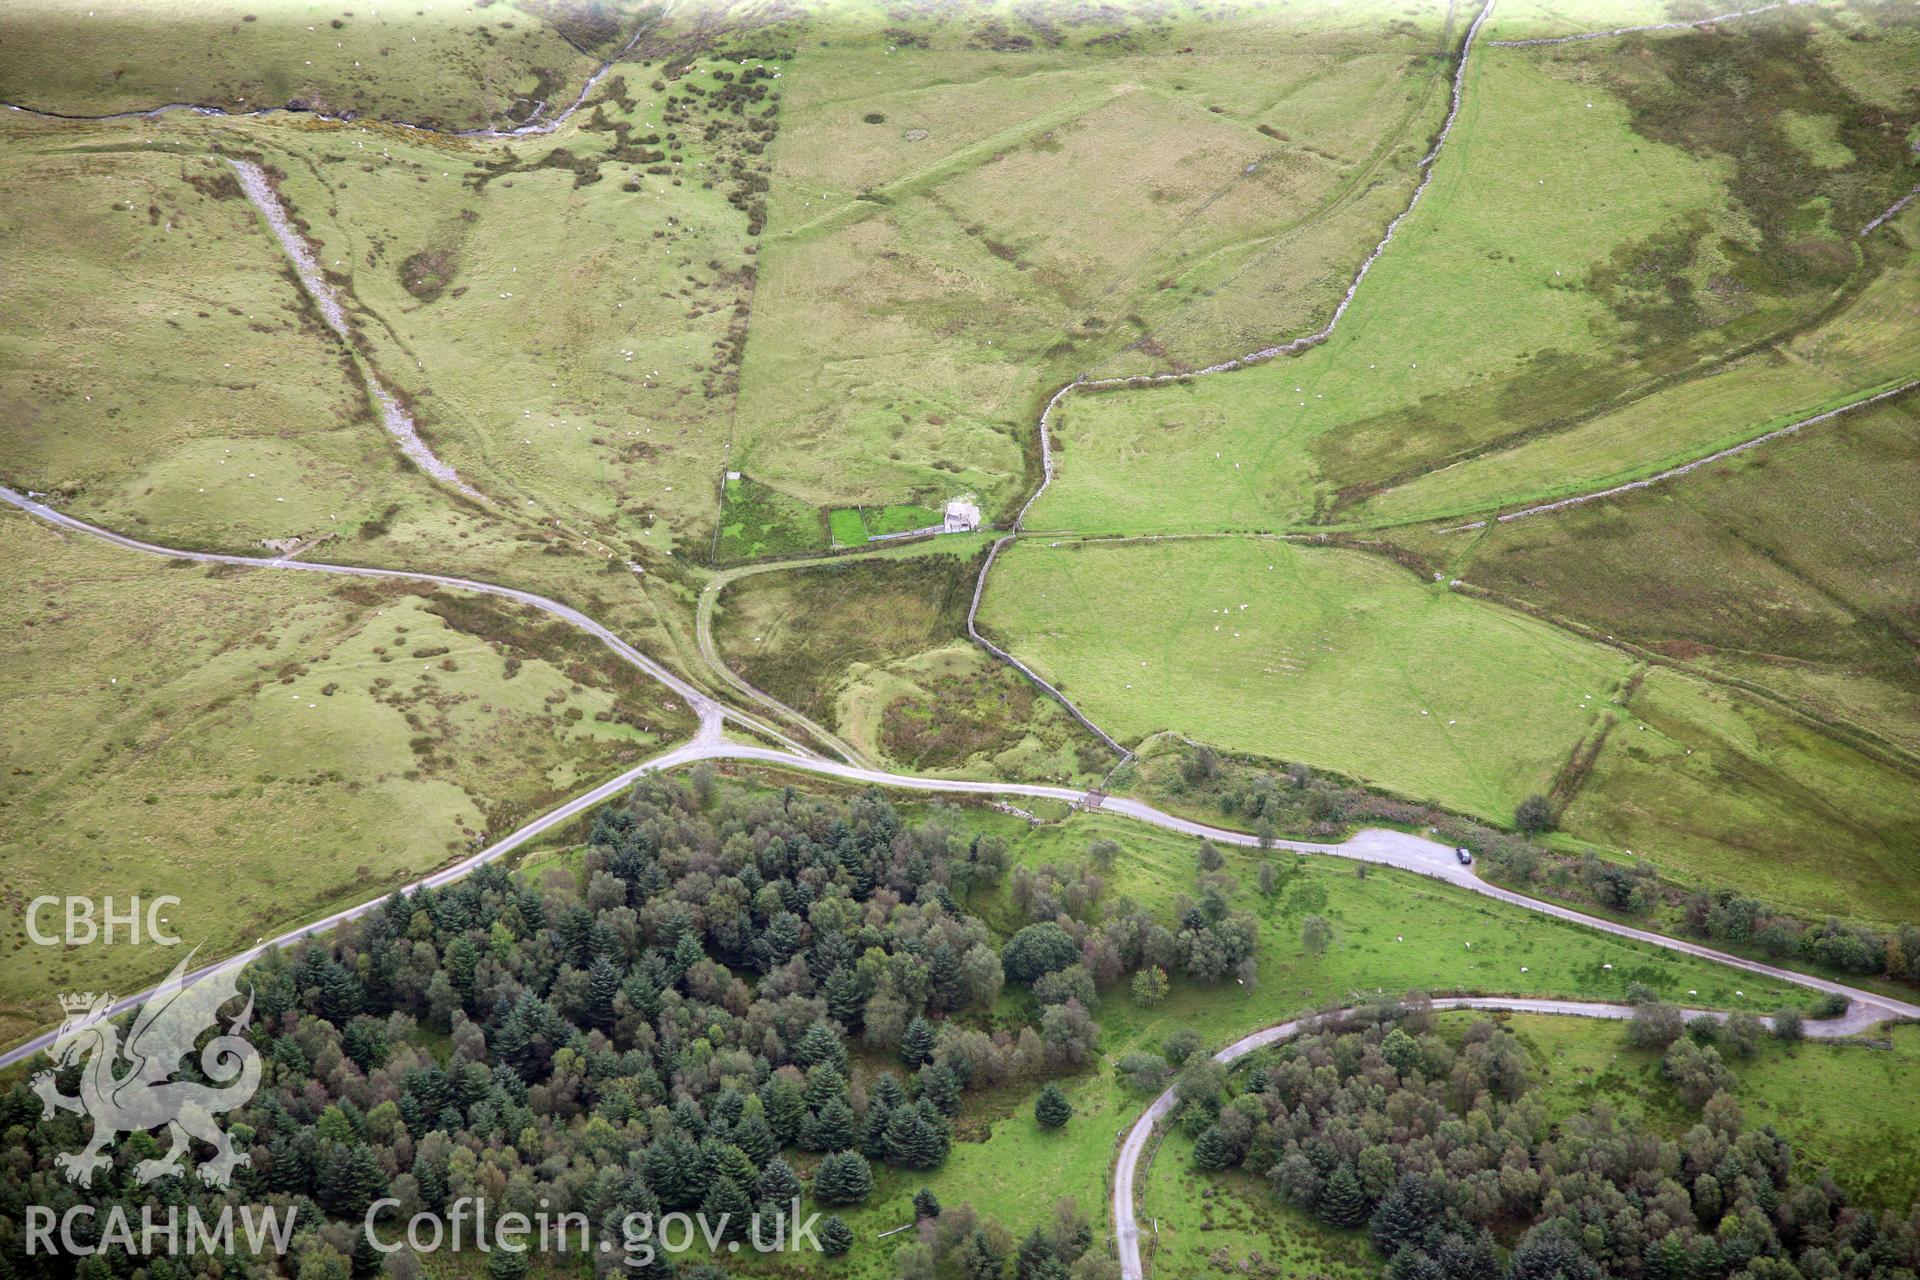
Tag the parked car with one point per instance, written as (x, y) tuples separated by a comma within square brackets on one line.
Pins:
[(1465, 856)]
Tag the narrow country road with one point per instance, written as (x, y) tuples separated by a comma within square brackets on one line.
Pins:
[(710, 712), (1386, 848), (1126, 1226)]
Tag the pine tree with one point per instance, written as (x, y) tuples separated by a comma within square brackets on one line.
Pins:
[(753, 1136), (821, 1045), (777, 1182), (824, 1082), (785, 1107), (845, 999), (979, 1260), (1410, 1215), (367, 1257), (842, 1178), (873, 1131), (1052, 1109), (916, 1047), (886, 1091), (603, 984), (429, 1175), (1342, 1202), (726, 1208), (506, 1264), (925, 1204), (1211, 1151), (946, 978), (917, 1138), (671, 1171), (831, 1128), (836, 1237), (939, 1089), (1035, 1252)]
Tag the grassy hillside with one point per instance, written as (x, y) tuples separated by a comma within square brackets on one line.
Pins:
[(942, 253), (1784, 566), (1347, 662), (1717, 789), (448, 66), (1595, 232), (267, 746)]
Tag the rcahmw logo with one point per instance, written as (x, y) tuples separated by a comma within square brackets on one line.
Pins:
[(164, 1232)]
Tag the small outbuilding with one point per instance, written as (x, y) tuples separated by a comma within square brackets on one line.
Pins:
[(963, 516)]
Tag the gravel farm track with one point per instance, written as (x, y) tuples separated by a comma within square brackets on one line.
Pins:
[(1396, 849)]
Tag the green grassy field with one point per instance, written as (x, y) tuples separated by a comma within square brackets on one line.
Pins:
[(1840, 1105), (1718, 790), (269, 746), (941, 253), (462, 66), (1868, 347), (1463, 301), (1329, 656), (1200, 1224), (1516, 301), (1347, 662), (1774, 567)]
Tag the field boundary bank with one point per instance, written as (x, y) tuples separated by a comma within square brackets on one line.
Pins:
[(1128, 1166), (1685, 468), (1856, 737), (1843, 297), (1291, 347)]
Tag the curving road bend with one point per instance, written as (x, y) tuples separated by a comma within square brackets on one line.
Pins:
[(710, 653), (1127, 1228), (711, 713), (1387, 848)]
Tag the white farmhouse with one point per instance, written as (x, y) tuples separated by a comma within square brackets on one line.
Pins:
[(963, 516)]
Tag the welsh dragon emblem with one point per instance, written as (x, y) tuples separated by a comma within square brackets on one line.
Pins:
[(129, 1088)]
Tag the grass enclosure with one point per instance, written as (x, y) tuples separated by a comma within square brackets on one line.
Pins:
[(1329, 656), (877, 650)]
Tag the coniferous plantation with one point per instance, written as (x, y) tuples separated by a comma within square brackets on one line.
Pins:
[(1440, 1149), (737, 1002), (755, 983)]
